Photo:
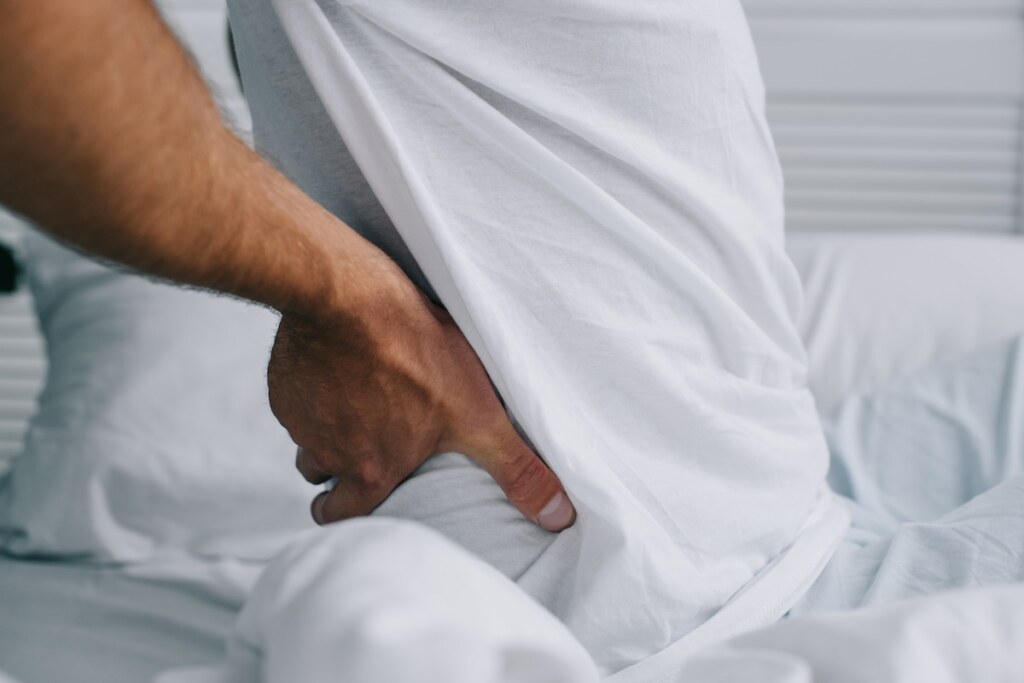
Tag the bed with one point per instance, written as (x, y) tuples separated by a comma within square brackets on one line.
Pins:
[(907, 238)]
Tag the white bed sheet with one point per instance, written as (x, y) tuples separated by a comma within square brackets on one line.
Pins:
[(80, 623), (932, 468), (75, 622), (341, 606)]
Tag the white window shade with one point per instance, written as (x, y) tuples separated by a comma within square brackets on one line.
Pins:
[(896, 115), (22, 363)]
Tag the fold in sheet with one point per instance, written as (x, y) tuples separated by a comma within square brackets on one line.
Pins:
[(374, 601), (932, 469)]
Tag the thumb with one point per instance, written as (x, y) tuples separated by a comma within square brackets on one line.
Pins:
[(529, 484)]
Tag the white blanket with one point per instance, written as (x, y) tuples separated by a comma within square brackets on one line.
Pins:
[(371, 601), (933, 467)]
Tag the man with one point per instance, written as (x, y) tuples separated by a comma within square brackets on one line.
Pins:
[(112, 142), (591, 191)]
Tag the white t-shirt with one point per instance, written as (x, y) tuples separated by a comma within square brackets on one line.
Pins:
[(591, 189)]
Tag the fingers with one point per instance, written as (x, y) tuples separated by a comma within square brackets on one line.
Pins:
[(309, 466), (347, 498), (345, 501), (529, 484)]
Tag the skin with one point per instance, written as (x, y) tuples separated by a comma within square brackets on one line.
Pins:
[(111, 142)]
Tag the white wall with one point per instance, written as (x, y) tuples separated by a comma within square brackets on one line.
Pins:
[(896, 115)]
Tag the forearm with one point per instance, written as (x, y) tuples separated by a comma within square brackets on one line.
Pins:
[(112, 142)]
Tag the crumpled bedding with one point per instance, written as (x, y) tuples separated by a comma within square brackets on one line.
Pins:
[(931, 467), (974, 635), (384, 600)]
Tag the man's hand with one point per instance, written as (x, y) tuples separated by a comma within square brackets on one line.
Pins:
[(110, 141), (369, 399)]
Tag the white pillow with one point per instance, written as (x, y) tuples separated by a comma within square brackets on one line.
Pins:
[(154, 436), (879, 306)]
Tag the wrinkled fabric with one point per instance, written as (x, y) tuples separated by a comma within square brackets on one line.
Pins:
[(591, 189), (368, 601), (974, 635), (932, 469), (382, 600)]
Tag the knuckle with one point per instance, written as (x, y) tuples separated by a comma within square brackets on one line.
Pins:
[(524, 477), (369, 474)]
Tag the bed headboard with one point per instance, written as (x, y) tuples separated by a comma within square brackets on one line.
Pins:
[(896, 115)]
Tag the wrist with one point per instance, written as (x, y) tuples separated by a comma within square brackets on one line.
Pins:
[(316, 266)]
